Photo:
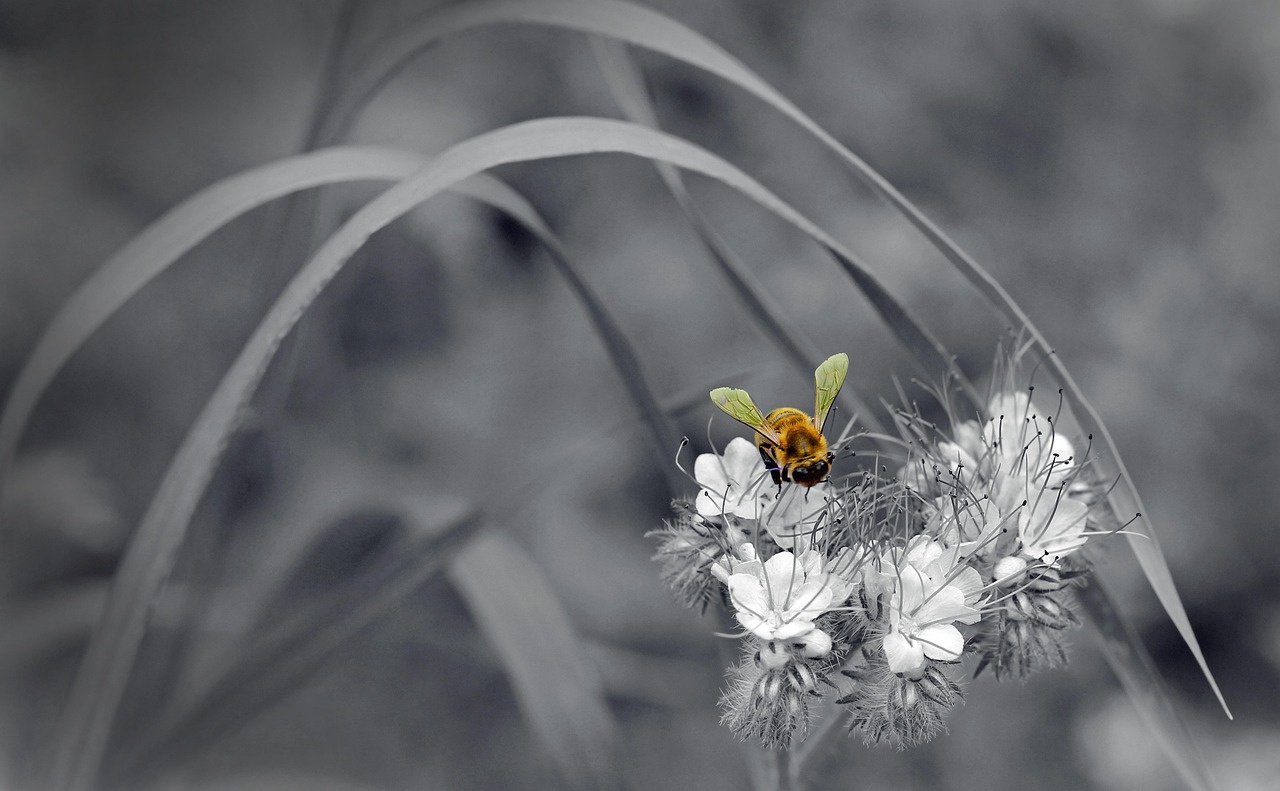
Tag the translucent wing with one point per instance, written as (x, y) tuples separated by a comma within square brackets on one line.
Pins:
[(739, 406), (829, 379)]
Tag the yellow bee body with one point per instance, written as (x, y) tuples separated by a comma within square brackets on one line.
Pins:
[(800, 454), (791, 443)]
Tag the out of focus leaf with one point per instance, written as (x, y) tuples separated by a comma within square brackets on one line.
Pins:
[(57, 493), (104, 672), (286, 656), (621, 352), (646, 28), (165, 241), (640, 26), (38, 626), (1128, 658), (291, 780), (632, 96), (559, 691)]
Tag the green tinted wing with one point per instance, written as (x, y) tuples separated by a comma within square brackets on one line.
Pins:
[(739, 406), (829, 378)]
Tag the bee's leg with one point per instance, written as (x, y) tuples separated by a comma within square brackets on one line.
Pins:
[(772, 467)]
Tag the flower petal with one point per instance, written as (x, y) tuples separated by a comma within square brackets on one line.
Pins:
[(708, 471), (969, 583), (904, 655), (792, 518), (792, 629), (742, 462), (755, 624), (748, 593), (968, 435), (944, 607), (781, 571), (811, 562), (1009, 408), (941, 642), (709, 504), (809, 600), (1054, 527), (911, 589), (923, 550)]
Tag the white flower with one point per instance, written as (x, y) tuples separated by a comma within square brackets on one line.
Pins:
[(929, 597), (964, 456), (972, 526), (844, 571), (732, 483), (780, 598), (1052, 528), (967, 436), (1029, 454), (792, 519), (737, 484)]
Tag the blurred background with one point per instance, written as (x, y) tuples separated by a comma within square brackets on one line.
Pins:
[(1114, 166)]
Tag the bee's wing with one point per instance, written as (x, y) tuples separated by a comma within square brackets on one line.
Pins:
[(739, 406), (829, 379)]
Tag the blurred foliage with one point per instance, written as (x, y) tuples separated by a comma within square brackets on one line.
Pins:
[(1113, 166)]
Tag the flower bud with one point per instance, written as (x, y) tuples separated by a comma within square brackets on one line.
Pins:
[(816, 643), (1029, 633), (903, 711), (688, 549), (773, 655), (771, 703), (1009, 570)]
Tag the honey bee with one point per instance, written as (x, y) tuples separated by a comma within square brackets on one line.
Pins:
[(791, 442)]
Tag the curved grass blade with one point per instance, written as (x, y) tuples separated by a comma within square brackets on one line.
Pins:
[(229, 707), (559, 691), (621, 353), (275, 666), (104, 672), (1122, 647), (624, 21), (645, 28), (632, 96), (195, 219), (163, 242)]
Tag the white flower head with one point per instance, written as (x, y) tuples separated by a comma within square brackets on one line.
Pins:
[(963, 457), (792, 519), (737, 484), (972, 525), (781, 598), (1052, 528), (731, 483), (930, 596), (1028, 454)]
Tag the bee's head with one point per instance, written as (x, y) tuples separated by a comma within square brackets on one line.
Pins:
[(810, 473)]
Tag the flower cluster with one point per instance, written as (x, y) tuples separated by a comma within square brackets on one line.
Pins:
[(1010, 496), (875, 585)]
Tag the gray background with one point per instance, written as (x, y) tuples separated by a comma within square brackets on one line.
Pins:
[(1114, 165)]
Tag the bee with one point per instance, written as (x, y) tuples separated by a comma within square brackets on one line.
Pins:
[(791, 442)]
